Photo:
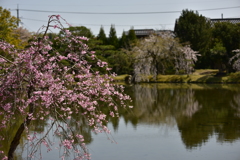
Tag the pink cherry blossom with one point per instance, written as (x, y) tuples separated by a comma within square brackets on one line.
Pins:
[(58, 16), (42, 88)]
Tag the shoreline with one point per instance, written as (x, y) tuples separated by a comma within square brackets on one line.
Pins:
[(204, 76)]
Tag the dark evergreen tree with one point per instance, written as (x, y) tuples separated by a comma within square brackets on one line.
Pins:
[(194, 29), (132, 38), (102, 36), (225, 39), (123, 41), (112, 39), (228, 34)]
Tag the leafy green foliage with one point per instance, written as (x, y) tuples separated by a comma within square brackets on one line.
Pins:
[(102, 36), (123, 41), (219, 56), (112, 39), (132, 38), (8, 24), (129, 40), (194, 29), (228, 34), (121, 63), (80, 31), (225, 39)]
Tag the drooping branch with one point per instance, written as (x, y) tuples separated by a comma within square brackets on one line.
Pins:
[(41, 85), (235, 60), (158, 54)]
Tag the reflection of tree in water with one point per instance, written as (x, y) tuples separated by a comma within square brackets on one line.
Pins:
[(235, 104), (9, 133), (216, 117), (199, 113), (40, 128), (158, 106), (230, 130)]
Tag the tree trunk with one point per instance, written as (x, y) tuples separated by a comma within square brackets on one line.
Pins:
[(16, 140)]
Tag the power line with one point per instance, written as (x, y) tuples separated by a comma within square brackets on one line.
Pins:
[(29, 10), (101, 24), (163, 12)]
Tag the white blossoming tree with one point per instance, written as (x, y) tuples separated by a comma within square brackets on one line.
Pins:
[(157, 54), (235, 60)]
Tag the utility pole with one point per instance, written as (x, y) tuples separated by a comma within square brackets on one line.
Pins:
[(17, 16)]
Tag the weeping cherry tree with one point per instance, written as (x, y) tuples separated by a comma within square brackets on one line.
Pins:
[(36, 85), (158, 54), (235, 60)]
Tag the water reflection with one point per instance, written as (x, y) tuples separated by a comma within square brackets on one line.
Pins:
[(159, 105), (9, 133), (39, 128), (236, 104), (200, 112)]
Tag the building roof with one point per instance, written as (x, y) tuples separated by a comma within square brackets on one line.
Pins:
[(231, 20), (141, 33)]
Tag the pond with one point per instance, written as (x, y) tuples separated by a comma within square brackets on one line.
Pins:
[(176, 122), (169, 122)]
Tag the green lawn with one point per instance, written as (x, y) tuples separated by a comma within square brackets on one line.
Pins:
[(199, 76)]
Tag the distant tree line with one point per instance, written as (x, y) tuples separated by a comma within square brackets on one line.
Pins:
[(110, 48), (214, 43)]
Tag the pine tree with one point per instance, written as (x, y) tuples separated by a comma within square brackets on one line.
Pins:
[(112, 39), (195, 29), (102, 36), (123, 41), (132, 38)]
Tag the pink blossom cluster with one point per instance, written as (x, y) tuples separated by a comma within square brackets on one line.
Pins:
[(40, 86)]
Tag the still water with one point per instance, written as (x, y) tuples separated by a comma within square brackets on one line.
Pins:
[(171, 122)]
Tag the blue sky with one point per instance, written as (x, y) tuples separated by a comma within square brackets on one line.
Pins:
[(123, 21)]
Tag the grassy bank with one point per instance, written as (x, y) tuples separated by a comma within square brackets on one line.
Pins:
[(199, 76)]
